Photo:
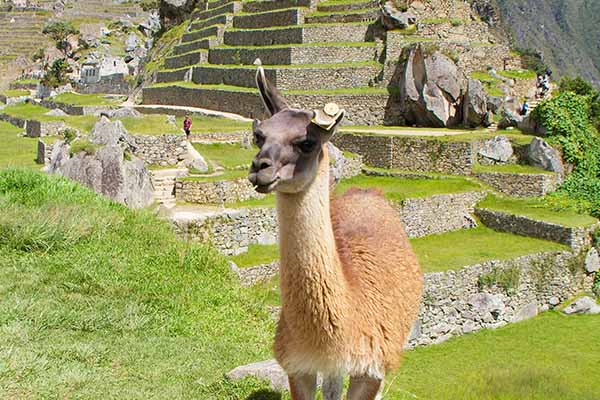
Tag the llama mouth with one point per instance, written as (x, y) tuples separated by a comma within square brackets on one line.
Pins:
[(268, 188)]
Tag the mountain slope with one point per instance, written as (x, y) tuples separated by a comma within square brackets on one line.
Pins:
[(567, 32)]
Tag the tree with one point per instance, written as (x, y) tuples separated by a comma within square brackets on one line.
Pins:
[(59, 31), (56, 75), (582, 87)]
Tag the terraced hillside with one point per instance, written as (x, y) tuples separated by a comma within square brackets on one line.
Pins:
[(314, 52)]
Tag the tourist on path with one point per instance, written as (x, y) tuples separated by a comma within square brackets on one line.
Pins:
[(187, 126)]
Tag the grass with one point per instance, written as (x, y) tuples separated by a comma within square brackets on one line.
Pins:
[(539, 359), (98, 301), (257, 255), (510, 169), (454, 250), (537, 209), (518, 74), (84, 123), (16, 93), (16, 151), (152, 125), (398, 189), (77, 99), (229, 175), (229, 156)]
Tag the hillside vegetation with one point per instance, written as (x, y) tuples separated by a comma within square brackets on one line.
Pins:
[(565, 31)]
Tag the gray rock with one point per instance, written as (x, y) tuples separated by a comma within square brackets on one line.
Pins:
[(336, 165), (475, 105), (527, 312), (110, 133), (509, 119), (484, 303), (541, 154), (392, 18), (498, 148), (194, 160), (583, 305), (171, 119), (416, 330), (131, 43), (431, 88), (269, 370), (592, 261), (469, 326), (123, 113), (57, 112), (151, 25), (554, 301), (59, 157), (173, 12), (494, 104)]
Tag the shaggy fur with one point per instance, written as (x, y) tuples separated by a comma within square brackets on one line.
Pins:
[(350, 282)]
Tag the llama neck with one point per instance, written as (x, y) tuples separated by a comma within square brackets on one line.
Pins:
[(312, 282)]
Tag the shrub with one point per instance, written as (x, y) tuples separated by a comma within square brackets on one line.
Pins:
[(59, 31), (567, 119), (456, 22), (85, 146), (69, 134), (57, 74), (507, 279), (38, 55)]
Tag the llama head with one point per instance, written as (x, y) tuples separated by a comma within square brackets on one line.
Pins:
[(290, 141)]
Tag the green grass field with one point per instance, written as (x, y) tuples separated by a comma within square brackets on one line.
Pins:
[(256, 255), (77, 99), (228, 156), (15, 150), (537, 209), (453, 250)]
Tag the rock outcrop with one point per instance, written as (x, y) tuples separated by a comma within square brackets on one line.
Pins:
[(392, 18), (106, 166), (540, 154), (173, 12), (497, 150), (434, 92), (583, 305)]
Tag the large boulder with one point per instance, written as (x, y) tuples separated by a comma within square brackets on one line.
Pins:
[(392, 18), (583, 305), (510, 119), (431, 88), (106, 166), (540, 154), (174, 12), (475, 108), (498, 149)]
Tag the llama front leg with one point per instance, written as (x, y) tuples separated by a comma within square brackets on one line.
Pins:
[(303, 387), (364, 388), (332, 387)]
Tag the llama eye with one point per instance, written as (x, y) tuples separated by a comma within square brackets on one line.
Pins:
[(306, 146), (259, 139)]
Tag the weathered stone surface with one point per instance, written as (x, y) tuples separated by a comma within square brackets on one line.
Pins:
[(173, 12), (122, 113), (59, 156), (392, 18), (269, 370), (486, 303), (193, 159), (583, 305), (431, 88), (527, 312), (56, 113), (341, 167), (509, 119), (131, 43), (592, 261), (475, 110), (109, 133), (542, 155), (498, 148)]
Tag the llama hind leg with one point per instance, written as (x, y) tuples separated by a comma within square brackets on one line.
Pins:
[(303, 387), (332, 388), (364, 388)]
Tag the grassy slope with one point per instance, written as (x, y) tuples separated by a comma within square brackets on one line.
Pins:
[(229, 156), (457, 249), (97, 301), (257, 255), (536, 209), (546, 358), (85, 99), (16, 151)]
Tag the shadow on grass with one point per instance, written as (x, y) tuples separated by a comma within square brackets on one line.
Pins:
[(264, 395)]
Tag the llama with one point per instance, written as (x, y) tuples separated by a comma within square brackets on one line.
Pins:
[(350, 283)]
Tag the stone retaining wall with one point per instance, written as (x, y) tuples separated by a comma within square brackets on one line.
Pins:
[(75, 110), (215, 192), (520, 185), (253, 275), (112, 84), (9, 101), (576, 237), (36, 129), (18, 122), (414, 154), (456, 302), (438, 214), (44, 152), (465, 31), (232, 231), (161, 150)]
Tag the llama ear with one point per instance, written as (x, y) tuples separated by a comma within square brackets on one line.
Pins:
[(273, 100)]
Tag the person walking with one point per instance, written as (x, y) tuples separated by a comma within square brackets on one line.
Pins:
[(187, 126)]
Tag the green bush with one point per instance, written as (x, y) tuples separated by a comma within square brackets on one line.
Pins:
[(567, 119), (57, 74), (531, 59), (69, 134), (507, 279), (85, 146)]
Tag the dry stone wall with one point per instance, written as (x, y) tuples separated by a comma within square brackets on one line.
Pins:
[(520, 185), (160, 150), (215, 192), (456, 302), (75, 110), (575, 237)]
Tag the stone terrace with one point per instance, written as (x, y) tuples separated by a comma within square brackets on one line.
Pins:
[(20, 34), (315, 52)]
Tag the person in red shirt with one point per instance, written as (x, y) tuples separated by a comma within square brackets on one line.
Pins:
[(187, 126)]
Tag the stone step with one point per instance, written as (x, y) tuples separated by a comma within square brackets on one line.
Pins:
[(287, 55), (355, 32), (326, 76), (197, 57), (336, 7), (225, 20), (211, 31), (343, 17), (363, 105), (270, 5), (197, 45), (231, 7), (290, 16)]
